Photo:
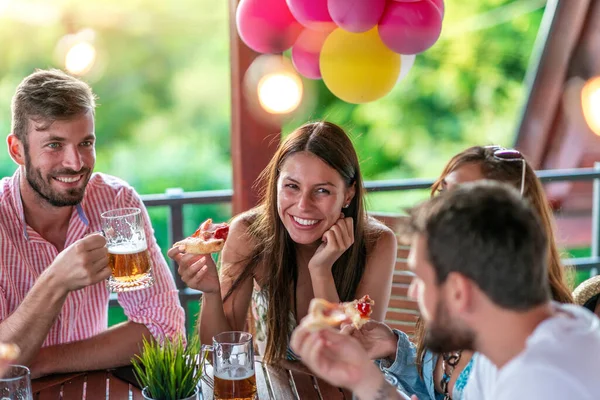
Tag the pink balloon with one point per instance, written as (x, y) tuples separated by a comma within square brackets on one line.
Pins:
[(267, 26), (410, 28), (356, 15), (312, 14), (438, 3), (306, 52)]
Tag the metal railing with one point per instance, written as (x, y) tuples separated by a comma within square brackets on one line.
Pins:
[(176, 200)]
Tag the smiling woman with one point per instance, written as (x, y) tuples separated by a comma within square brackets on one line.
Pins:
[(309, 237)]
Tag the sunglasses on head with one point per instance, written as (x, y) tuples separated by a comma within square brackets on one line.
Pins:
[(500, 153)]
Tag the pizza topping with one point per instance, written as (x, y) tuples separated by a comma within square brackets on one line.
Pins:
[(208, 238), (322, 313), (221, 232), (364, 306)]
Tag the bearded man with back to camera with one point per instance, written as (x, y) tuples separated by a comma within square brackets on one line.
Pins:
[(478, 255)]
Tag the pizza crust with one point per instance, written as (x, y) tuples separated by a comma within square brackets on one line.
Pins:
[(323, 314), (9, 352), (195, 245)]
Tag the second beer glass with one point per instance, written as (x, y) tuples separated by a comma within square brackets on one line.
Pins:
[(128, 255), (233, 366)]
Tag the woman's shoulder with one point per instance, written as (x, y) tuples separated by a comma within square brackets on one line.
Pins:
[(378, 235), (240, 244)]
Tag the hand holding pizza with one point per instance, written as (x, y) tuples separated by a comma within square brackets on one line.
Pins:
[(198, 271), (377, 338), (336, 240), (341, 361), (192, 255)]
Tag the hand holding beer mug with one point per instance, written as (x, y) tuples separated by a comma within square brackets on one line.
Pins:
[(233, 366), (128, 255)]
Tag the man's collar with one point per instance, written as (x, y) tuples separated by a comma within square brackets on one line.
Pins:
[(18, 203)]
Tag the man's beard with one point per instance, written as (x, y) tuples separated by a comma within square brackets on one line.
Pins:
[(44, 189), (443, 334)]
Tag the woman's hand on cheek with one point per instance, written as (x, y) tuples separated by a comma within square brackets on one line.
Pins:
[(335, 241)]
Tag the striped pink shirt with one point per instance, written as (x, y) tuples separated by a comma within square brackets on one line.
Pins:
[(24, 255)]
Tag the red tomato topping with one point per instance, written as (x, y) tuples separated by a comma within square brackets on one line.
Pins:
[(221, 233), (364, 309)]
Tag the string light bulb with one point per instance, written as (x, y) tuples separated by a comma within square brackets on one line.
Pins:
[(273, 83), (590, 103)]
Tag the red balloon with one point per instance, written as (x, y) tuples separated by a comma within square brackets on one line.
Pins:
[(267, 26), (312, 14), (410, 28), (307, 51)]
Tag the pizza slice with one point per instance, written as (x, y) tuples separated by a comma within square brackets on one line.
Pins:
[(323, 314), (9, 351), (208, 238), (359, 311)]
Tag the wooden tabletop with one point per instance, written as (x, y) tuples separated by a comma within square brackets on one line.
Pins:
[(289, 381)]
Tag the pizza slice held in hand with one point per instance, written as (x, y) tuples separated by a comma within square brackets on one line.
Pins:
[(323, 314), (359, 311), (208, 238)]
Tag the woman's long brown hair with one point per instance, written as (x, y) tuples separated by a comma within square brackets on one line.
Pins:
[(276, 251), (509, 172)]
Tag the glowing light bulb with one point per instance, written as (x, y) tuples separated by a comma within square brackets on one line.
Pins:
[(590, 102), (80, 58), (280, 92)]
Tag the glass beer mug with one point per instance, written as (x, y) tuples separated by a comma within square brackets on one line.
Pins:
[(233, 366), (128, 255), (15, 384)]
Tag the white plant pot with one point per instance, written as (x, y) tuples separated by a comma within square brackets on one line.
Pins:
[(195, 396)]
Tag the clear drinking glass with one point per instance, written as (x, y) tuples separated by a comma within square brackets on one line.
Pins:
[(129, 258), (233, 366), (16, 384)]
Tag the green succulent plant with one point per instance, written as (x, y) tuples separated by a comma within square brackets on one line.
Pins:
[(169, 371)]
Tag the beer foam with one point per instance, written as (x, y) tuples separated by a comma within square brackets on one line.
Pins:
[(127, 248), (235, 374)]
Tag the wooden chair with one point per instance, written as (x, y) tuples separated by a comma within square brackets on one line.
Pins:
[(402, 311)]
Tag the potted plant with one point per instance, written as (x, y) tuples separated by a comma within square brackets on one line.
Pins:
[(169, 371)]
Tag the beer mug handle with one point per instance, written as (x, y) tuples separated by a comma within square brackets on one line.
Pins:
[(205, 377)]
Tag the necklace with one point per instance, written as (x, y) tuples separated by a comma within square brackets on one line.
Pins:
[(449, 362)]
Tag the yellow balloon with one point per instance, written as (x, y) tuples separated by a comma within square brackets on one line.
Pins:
[(358, 67)]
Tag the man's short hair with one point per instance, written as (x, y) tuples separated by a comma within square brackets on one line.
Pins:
[(46, 96), (485, 231)]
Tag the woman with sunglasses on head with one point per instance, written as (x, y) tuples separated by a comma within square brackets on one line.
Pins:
[(460, 375), (309, 237)]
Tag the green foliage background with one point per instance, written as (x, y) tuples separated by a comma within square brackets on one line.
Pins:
[(164, 92)]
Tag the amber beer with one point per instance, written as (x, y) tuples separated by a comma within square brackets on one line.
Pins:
[(129, 264), (128, 256), (238, 388)]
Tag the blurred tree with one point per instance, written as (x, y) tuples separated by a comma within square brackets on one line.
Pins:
[(163, 83)]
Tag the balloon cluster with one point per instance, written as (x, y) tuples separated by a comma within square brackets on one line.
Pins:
[(360, 48)]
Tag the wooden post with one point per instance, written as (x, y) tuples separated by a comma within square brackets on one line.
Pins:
[(253, 142), (558, 36)]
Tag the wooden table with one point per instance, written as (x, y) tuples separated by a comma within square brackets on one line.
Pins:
[(289, 381)]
